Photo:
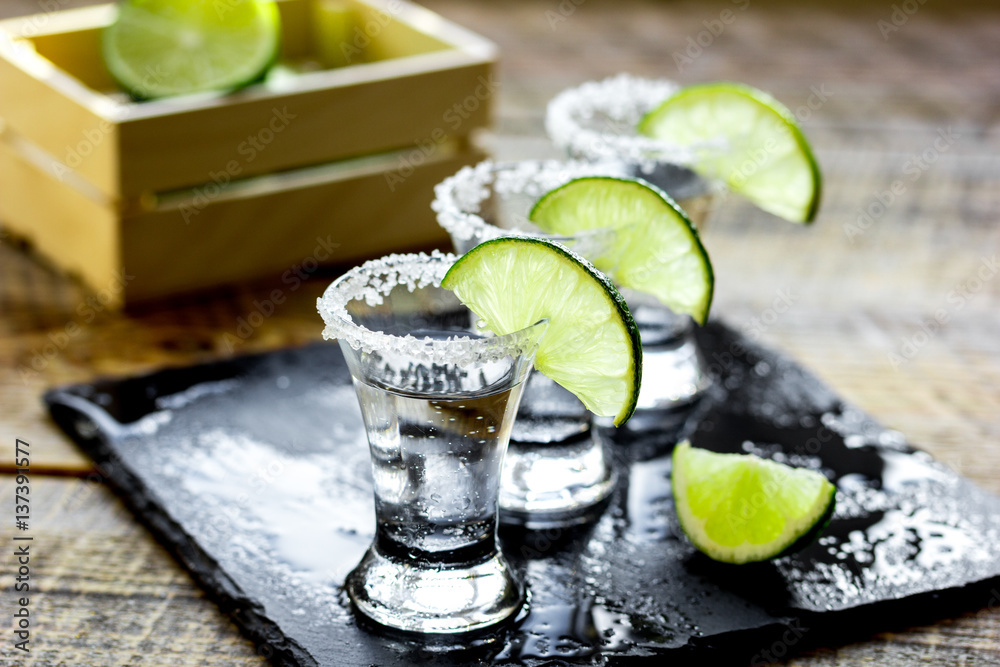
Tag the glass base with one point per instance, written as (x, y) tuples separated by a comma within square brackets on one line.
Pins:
[(555, 485), (673, 379), (404, 596), (674, 374), (556, 471)]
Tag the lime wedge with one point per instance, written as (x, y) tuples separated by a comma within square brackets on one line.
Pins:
[(592, 344), (654, 249), (768, 159), (157, 48), (739, 508)]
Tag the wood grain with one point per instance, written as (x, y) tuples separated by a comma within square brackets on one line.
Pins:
[(105, 593), (855, 299)]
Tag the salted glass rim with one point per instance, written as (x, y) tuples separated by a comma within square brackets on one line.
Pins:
[(372, 281), (624, 98), (457, 199)]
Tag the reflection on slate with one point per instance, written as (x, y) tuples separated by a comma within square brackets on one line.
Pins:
[(255, 472)]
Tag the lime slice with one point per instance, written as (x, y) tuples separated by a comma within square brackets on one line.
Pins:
[(157, 48), (769, 160), (592, 344), (739, 508), (654, 249)]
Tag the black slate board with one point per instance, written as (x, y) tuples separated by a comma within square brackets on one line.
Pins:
[(255, 473)]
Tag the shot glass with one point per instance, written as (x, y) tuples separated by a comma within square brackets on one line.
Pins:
[(558, 470), (494, 199), (438, 403), (596, 122)]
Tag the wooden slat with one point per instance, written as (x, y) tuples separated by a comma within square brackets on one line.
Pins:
[(78, 53), (207, 236), (57, 112), (359, 117), (246, 236), (65, 225), (103, 592)]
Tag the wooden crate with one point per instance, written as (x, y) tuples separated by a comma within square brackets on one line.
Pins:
[(186, 193)]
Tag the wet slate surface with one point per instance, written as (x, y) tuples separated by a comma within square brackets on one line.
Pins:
[(255, 473)]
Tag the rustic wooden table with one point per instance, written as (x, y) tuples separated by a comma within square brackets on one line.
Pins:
[(899, 310)]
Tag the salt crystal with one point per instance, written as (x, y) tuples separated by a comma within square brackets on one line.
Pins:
[(598, 119)]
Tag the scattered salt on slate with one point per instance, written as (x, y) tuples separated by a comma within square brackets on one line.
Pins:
[(255, 473)]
